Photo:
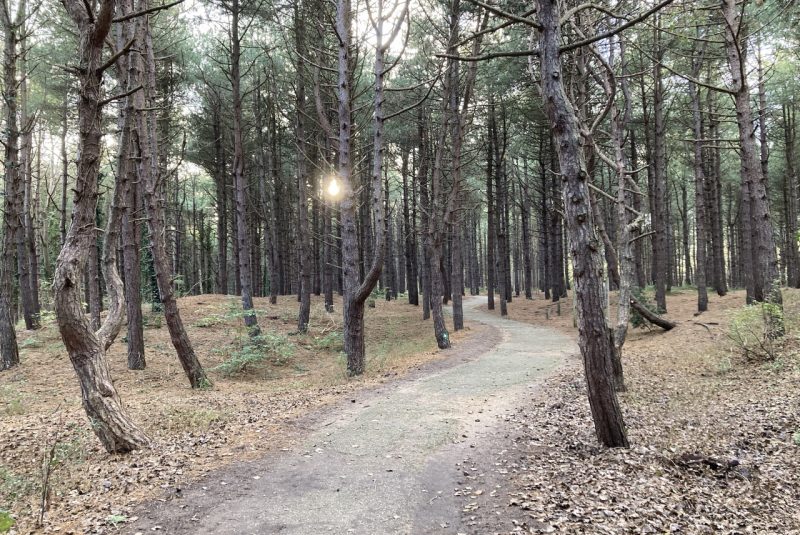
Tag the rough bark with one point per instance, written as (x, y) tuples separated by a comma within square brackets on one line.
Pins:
[(303, 244), (409, 234), (699, 191), (129, 202), (595, 344), (424, 201), (499, 257), (100, 399), (241, 187), (661, 260), (490, 212), (14, 171), (149, 174), (762, 263), (355, 290), (790, 197)]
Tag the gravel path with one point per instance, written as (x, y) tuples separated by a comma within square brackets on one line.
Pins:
[(385, 463)]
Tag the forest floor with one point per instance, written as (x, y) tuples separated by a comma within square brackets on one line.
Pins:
[(715, 437), (385, 462), (492, 437), (245, 415)]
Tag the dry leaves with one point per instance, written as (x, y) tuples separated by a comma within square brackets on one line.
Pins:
[(193, 431), (714, 444)]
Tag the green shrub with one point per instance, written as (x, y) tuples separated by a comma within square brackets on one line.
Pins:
[(189, 419), (332, 341), (15, 486), (30, 342), (208, 321), (752, 331), (152, 320), (258, 350), (6, 522)]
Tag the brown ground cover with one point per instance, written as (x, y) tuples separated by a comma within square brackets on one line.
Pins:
[(242, 416), (715, 437)]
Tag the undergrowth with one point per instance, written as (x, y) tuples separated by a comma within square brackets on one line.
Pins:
[(257, 351)]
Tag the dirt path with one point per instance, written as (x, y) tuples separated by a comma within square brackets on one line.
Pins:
[(385, 463)]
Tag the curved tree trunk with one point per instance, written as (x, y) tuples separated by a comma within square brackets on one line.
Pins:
[(356, 291)]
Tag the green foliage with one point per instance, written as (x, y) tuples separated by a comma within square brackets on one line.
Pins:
[(724, 365), (752, 331), (208, 321), (255, 351), (116, 519), (13, 486), (796, 438), (152, 320), (30, 343), (636, 319), (11, 401), (6, 522), (182, 419), (333, 341), (71, 451)]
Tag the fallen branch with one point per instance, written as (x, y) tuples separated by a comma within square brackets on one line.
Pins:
[(651, 316)]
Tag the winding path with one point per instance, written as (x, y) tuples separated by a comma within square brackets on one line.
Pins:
[(385, 465)]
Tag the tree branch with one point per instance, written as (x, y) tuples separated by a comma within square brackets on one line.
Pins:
[(154, 9)]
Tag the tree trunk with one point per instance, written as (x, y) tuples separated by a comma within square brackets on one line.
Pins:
[(761, 264), (409, 234), (790, 197), (303, 244), (699, 191), (129, 202), (425, 205), (103, 406), (525, 215), (240, 180), (595, 344), (491, 248), (356, 291), (149, 174), (661, 259), (499, 258)]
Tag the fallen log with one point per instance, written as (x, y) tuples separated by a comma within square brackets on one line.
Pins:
[(650, 316)]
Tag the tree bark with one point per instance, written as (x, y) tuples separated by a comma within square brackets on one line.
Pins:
[(490, 211), (500, 256), (303, 244), (101, 402), (149, 174), (661, 260), (240, 180), (595, 344), (356, 291), (762, 263), (699, 190), (409, 234), (790, 197)]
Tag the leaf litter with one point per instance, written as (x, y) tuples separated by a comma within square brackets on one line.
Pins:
[(713, 440)]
